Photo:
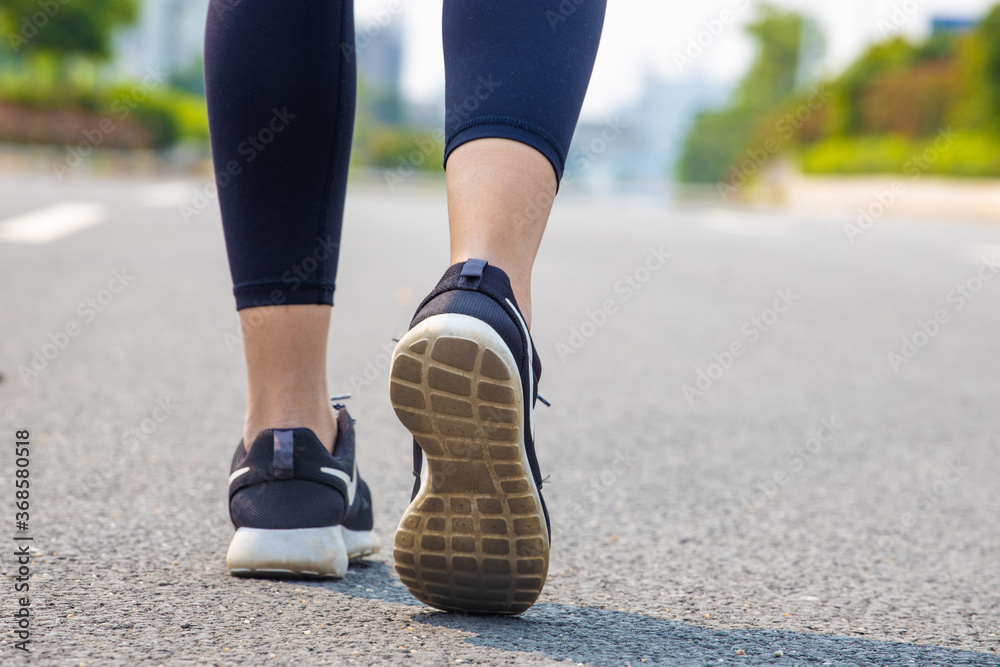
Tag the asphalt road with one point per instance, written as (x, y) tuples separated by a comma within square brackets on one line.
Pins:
[(737, 462)]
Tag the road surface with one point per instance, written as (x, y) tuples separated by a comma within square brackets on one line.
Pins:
[(767, 444)]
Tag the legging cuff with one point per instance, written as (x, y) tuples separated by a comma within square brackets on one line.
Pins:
[(283, 294), (504, 127)]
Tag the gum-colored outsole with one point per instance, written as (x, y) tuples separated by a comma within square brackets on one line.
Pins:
[(474, 539)]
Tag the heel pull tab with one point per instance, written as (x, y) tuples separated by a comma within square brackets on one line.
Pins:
[(284, 454), (472, 273)]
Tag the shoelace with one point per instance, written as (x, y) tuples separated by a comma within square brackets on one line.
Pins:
[(334, 401)]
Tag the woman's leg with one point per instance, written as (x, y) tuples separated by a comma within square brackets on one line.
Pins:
[(281, 93), (464, 378), (516, 75)]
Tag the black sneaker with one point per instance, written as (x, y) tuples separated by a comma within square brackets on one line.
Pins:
[(298, 511), (475, 537)]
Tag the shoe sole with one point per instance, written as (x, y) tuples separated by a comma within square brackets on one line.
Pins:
[(474, 538), (300, 553)]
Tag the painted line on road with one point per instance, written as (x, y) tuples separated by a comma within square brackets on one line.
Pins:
[(746, 224), (52, 222), (981, 253), (165, 195)]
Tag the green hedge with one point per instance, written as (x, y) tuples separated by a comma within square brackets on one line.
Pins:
[(170, 115), (960, 154)]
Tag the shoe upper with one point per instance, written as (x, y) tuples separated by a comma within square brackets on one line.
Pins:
[(289, 480), (477, 289)]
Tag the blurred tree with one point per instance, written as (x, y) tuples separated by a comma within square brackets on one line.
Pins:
[(914, 102), (779, 36), (882, 58), (980, 76), (988, 35), (62, 29), (939, 96), (718, 138)]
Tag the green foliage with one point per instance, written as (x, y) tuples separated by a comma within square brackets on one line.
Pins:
[(719, 138), (712, 145), (979, 75), (64, 27), (884, 109), (896, 64), (167, 114), (384, 140), (890, 104), (387, 147), (970, 155), (988, 39), (779, 36), (859, 155)]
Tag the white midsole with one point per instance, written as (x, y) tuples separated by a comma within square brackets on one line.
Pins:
[(310, 551)]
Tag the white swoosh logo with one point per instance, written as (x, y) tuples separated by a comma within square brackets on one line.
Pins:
[(237, 473), (350, 480), (531, 370)]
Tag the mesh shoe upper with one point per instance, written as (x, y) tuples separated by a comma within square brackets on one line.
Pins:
[(289, 480)]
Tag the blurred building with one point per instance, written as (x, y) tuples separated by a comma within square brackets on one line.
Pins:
[(635, 149), (169, 35), (380, 53), (951, 24), (379, 49)]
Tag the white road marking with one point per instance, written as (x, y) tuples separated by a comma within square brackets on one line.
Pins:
[(165, 195), (746, 224), (52, 222), (982, 254)]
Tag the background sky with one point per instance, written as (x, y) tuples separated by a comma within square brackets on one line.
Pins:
[(642, 36)]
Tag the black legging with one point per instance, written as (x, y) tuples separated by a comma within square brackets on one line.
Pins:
[(281, 80)]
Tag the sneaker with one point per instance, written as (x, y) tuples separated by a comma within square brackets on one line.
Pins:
[(464, 379), (298, 510)]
